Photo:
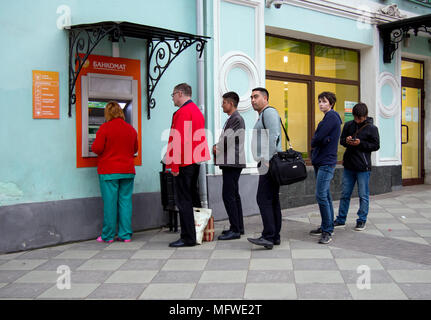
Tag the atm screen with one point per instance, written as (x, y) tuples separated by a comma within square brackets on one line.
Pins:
[(96, 117)]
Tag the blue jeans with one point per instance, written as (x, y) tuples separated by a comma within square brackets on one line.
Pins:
[(349, 179), (324, 175)]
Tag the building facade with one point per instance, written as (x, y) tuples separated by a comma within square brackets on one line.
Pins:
[(70, 54)]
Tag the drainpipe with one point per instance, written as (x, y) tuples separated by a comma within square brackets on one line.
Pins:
[(201, 100), (115, 49)]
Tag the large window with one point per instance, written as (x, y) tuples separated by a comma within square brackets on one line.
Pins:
[(296, 72)]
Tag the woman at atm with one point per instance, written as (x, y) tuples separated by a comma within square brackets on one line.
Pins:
[(115, 144)]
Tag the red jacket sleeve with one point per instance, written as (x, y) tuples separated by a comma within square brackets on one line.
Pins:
[(99, 143), (175, 145)]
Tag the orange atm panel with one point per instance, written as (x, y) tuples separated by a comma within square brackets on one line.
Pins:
[(103, 79)]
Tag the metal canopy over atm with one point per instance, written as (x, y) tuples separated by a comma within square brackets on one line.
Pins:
[(163, 46)]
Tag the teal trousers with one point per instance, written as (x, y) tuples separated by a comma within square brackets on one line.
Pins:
[(117, 206)]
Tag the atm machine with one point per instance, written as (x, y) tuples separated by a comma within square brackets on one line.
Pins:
[(97, 90)]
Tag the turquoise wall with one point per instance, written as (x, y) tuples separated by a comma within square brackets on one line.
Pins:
[(237, 33), (209, 67), (387, 131), (317, 23), (389, 141), (387, 126), (236, 28), (418, 45), (38, 160)]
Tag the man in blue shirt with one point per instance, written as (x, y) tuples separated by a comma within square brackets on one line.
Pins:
[(324, 145)]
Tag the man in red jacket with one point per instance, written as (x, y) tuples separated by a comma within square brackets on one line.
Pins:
[(187, 148)]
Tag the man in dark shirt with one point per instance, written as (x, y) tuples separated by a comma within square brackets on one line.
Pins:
[(360, 137), (229, 155)]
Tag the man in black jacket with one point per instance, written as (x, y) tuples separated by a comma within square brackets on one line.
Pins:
[(360, 137), (229, 155)]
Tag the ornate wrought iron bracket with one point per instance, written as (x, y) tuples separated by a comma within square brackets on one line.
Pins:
[(82, 42), (394, 32), (160, 54)]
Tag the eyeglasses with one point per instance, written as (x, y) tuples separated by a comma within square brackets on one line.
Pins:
[(175, 92)]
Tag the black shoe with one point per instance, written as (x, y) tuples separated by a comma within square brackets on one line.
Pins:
[(338, 224), (230, 235), (226, 231), (325, 238), (360, 226), (261, 242), (316, 232), (277, 242), (180, 243)]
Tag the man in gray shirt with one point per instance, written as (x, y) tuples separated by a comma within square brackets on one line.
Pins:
[(265, 143)]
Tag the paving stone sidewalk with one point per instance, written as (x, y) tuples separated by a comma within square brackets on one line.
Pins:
[(395, 248)]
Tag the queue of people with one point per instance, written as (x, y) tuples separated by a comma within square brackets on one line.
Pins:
[(116, 144)]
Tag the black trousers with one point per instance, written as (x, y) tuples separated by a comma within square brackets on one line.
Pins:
[(232, 199), (268, 201), (187, 197)]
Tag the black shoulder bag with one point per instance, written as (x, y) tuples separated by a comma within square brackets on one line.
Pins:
[(287, 167)]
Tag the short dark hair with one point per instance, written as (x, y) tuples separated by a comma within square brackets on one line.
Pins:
[(233, 96), (185, 88), (329, 96), (263, 90), (360, 110)]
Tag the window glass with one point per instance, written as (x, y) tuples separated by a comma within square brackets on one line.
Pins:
[(336, 63), (410, 131), (287, 55), (412, 69), (291, 101)]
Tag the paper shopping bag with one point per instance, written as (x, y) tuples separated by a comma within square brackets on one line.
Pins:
[(209, 230), (202, 215)]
